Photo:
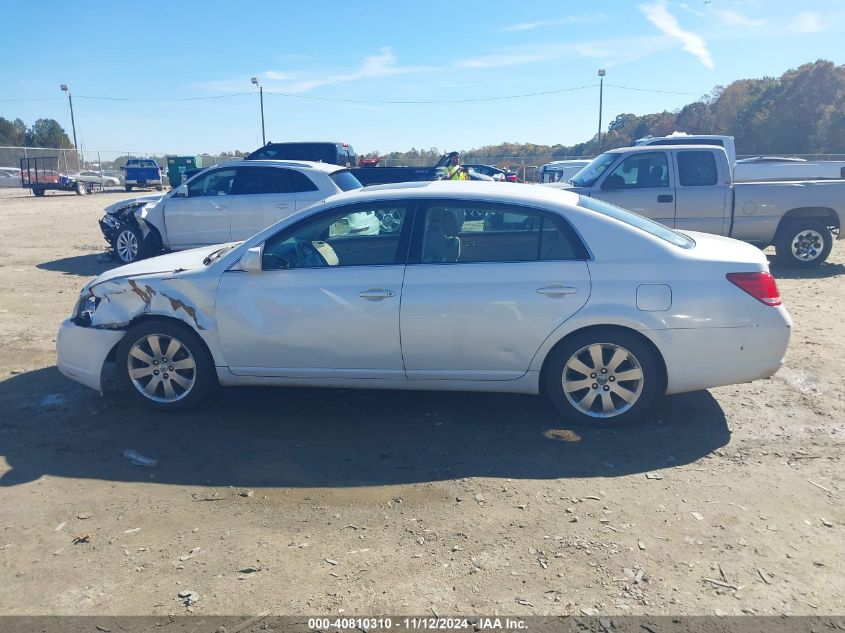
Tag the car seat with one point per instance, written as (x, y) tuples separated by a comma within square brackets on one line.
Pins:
[(441, 243)]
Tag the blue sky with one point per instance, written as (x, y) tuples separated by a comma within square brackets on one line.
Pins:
[(386, 51)]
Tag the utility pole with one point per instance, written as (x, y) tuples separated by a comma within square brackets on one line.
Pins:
[(601, 95), (254, 80), (72, 123)]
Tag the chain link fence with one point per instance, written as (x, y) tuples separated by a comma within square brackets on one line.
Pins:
[(110, 162), (103, 162)]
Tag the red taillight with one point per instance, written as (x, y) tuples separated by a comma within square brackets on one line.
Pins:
[(761, 286)]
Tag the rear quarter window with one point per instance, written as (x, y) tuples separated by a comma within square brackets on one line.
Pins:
[(346, 181)]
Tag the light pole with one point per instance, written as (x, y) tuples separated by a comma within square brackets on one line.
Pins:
[(601, 95), (72, 122), (254, 80)]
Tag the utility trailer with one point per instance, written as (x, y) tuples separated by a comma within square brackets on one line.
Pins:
[(42, 174)]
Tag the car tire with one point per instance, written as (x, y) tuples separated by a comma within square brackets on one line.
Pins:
[(38, 193), (803, 244), (143, 365), (127, 187), (615, 387), (128, 244), (81, 188)]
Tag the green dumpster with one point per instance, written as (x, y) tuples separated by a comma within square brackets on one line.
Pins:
[(178, 165)]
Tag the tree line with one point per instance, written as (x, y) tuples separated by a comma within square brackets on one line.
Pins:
[(800, 112)]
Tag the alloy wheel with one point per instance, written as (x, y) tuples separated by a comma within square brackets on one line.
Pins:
[(127, 246), (161, 368), (602, 380)]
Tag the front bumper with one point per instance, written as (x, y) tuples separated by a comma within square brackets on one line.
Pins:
[(109, 225), (81, 352)]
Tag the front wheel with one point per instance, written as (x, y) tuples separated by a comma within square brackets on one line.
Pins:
[(165, 366), (602, 377), (128, 244), (803, 244)]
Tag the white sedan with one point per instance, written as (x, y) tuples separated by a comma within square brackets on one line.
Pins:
[(482, 287), (97, 177)]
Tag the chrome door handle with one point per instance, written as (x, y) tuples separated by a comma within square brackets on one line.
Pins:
[(557, 290), (219, 207), (282, 205), (376, 293)]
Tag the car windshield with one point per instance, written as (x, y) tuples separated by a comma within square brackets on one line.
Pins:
[(590, 173), (638, 221), (346, 181)]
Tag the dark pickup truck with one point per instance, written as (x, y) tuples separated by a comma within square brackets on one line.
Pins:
[(390, 175)]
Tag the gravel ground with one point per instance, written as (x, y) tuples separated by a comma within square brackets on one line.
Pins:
[(325, 501)]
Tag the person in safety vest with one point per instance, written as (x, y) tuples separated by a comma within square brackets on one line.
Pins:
[(454, 170)]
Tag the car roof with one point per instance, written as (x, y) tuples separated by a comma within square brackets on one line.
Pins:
[(640, 149), (516, 193), (328, 168)]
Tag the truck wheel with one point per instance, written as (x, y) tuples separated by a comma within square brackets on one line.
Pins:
[(803, 244), (81, 188), (602, 377), (38, 193), (128, 187), (129, 244), (159, 188), (165, 365)]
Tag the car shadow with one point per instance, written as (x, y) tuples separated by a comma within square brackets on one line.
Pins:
[(823, 271), (304, 438), (89, 265)]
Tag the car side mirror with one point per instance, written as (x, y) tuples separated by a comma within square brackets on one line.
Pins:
[(181, 191), (251, 260)]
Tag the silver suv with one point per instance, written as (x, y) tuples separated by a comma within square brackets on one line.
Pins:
[(229, 202)]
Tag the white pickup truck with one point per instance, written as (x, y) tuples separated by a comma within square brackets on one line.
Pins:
[(690, 187)]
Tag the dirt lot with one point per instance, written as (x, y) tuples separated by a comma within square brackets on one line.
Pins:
[(324, 501)]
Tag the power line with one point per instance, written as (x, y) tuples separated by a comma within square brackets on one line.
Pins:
[(668, 92), (292, 95), (226, 96), (428, 101)]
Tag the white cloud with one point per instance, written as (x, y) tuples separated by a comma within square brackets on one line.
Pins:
[(734, 18), (276, 76), (658, 14), (569, 19), (807, 22)]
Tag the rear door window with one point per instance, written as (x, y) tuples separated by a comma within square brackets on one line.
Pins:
[(473, 232), (299, 182), (697, 169), (260, 180)]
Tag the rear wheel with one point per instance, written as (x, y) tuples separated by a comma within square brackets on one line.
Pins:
[(165, 365), (38, 192), (81, 188), (803, 244), (602, 377)]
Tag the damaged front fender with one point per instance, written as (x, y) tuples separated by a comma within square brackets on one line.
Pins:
[(122, 301)]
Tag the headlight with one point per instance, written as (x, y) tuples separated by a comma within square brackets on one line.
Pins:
[(85, 307)]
